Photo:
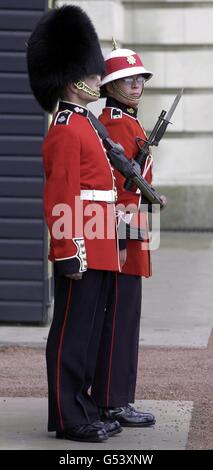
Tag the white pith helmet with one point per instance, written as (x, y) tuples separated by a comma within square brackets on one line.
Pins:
[(121, 63)]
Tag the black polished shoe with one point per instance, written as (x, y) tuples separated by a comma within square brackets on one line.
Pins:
[(111, 427), (83, 433), (127, 416)]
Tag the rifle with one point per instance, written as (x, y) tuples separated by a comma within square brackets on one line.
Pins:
[(131, 170), (128, 167), (154, 138)]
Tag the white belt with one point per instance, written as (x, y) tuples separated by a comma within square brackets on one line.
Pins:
[(99, 195)]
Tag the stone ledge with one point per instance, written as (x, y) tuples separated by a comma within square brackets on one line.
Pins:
[(189, 207)]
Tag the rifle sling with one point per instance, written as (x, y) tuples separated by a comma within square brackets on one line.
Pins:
[(103, 133)]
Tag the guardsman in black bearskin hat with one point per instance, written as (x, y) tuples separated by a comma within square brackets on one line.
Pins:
[(65, 64)]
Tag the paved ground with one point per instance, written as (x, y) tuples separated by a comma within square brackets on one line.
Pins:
[(170, 432), (181, 292), (175, 378)]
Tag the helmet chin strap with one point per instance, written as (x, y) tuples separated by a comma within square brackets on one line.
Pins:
[(80, 85), (125, 95)]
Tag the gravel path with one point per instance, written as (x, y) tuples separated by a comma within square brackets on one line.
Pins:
[(163, 374)]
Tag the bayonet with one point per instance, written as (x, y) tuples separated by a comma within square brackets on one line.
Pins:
[(174, 105), (155, 136)]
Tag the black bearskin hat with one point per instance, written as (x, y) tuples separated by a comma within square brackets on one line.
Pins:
[(63, 48)]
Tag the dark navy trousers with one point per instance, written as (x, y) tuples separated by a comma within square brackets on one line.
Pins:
[(116, 370), (72, 347)]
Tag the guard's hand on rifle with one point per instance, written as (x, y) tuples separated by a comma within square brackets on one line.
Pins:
[(75, 276), (164, 202)]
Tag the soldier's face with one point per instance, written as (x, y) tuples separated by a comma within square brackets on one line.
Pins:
[(84, 91), (93, 82), (131, 87)]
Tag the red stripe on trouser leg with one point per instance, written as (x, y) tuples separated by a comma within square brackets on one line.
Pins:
[(112, 342), (59, 355)]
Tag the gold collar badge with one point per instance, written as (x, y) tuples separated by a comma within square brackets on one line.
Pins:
[(130, 110)]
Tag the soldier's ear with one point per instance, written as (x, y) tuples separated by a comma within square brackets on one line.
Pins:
[(109, 89), (72, 88), (69, 90)]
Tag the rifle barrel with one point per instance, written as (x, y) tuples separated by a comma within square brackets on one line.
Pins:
[(156, 127)]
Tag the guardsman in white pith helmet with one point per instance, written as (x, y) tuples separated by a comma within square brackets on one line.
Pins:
[(116, 371), (65, 64)]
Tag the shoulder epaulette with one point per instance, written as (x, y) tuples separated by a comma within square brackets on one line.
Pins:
[(63, 117), (116, 113)]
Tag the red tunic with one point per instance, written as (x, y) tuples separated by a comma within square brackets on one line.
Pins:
[(74, 159), (123, 129)]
